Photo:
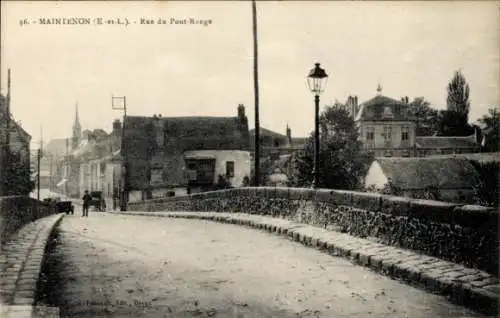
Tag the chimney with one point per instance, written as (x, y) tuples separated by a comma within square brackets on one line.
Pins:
[(289, 134), (117, 127), (241, 111), (352, 105)]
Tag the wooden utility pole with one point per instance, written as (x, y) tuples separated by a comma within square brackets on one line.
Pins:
[(39, 158), (256, 96), (51, 179), (123, 150), (8, 111), (67, 169)]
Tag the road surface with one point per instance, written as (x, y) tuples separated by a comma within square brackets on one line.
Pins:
[(131, 266)]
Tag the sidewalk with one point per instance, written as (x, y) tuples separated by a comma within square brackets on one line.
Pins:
[(20, 266), (464, 286)]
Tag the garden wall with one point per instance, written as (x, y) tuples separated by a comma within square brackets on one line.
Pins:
[(16, 211), (464, 234)]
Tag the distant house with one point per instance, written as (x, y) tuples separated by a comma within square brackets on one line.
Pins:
[(437, 145), (94, 165), (386, 126), (19, 139), (179, 155), (446, 179), (56, 147), (275, 144), (388, 129)]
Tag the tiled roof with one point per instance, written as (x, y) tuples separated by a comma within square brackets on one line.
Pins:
[(374, 109), (421, 173), (91, 149), (266, 132), (189, 133), (438, 142), (299, 141), (482, 157)]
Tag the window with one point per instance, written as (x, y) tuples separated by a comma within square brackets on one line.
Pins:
[(230, 169), (405, 133), (160, 138), (370, 134), (191, 165), (388, 133)]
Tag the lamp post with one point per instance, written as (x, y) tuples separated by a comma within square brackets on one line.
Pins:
[(124, 192), (316, 81)]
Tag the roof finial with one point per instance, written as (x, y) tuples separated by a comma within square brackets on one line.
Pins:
[(379, 89)]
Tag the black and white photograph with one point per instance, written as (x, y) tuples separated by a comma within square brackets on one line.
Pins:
[(249, 158)]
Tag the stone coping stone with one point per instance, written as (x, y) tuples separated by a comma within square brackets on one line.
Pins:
[(464, 286), (22, 257)]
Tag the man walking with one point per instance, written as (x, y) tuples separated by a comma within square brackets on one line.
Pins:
[(86, 202)]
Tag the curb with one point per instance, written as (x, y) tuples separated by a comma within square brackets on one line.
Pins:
[(21, 263), (463, 286)]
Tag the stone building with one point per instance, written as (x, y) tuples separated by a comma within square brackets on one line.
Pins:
[(388, 129), (386, 126), (19, 139), (168, 156)]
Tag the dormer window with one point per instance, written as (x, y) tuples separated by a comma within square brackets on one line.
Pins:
[(387, 112)]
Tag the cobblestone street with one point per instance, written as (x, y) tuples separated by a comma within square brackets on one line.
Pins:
[(120, 266)]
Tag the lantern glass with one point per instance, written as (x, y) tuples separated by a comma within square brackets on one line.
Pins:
[(317, 79)]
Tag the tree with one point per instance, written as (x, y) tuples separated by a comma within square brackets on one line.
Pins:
[(454, 120), (17, 178), (458, 96), (453, 123), (491, 122), (427, 117), (343, 162)]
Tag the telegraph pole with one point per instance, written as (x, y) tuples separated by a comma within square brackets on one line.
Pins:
[(51, 179), (8, 110), (256, 96), (67, 166), (123, 150), (39, 158)]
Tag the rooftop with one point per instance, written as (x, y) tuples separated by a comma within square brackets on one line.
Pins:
[(421, 173)]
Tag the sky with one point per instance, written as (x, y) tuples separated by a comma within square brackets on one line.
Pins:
[(410, 48)]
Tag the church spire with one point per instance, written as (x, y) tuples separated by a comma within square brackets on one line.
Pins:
[(77, 130), (77, 119)]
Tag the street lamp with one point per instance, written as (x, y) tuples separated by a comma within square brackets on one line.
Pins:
[(316, 80)]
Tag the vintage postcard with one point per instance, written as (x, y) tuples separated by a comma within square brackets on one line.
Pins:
[(249, 158)]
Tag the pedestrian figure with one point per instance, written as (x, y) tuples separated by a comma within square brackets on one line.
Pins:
[(86, 202)]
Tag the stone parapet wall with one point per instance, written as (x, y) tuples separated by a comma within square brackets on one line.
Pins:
[(463, 234), (17, 211)]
